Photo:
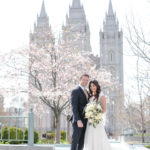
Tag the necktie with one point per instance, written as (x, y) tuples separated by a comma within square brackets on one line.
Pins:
[(86, 94)]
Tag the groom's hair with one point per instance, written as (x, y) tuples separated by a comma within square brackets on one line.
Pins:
[(84, 75)]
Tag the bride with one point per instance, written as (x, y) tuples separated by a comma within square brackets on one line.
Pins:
[(96, 138)]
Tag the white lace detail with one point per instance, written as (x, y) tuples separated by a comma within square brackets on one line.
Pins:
[(96, 138), (100, 95)]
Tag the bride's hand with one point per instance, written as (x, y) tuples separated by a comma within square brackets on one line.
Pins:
[(80, 124)]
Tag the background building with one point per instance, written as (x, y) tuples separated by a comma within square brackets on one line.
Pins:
[(76, 32), (76, 35), (111, 58)]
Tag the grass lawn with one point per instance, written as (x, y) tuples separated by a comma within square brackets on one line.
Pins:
[(147, 146)]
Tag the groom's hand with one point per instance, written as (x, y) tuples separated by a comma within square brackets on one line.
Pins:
[(80, 124)]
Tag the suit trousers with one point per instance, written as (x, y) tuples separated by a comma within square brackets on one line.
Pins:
[(78, 136)]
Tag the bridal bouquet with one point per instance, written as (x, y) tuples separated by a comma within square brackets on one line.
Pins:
[(93, 112)]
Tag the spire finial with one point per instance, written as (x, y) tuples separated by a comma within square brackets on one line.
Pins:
[(110, 9), (76, 4), (43, 11)]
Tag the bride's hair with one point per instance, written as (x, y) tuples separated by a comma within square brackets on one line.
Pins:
[(98, 91)]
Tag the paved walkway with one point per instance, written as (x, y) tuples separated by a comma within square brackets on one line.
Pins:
[(115, 146), (138, 147)]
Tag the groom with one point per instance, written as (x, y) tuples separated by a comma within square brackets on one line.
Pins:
[(79, 99)]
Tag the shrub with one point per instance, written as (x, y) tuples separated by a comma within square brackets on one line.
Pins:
[(5, 133), (51, 135), (42, 141), (19, 135), (147, 146), (13, 135), (63, 135), (36, 135)]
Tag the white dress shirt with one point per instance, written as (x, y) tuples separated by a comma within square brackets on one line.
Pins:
[(83, 88)]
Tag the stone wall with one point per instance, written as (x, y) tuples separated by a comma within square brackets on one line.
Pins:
[(25, 147)]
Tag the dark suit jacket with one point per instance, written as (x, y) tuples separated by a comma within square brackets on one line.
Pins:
[(78, 102)]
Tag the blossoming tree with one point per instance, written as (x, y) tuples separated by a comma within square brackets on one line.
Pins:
[(52, 73)]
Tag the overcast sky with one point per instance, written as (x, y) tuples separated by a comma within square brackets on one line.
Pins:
[(18, 16)]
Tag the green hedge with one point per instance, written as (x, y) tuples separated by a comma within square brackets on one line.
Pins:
[(36, 135), (13, 135), (19, 135)]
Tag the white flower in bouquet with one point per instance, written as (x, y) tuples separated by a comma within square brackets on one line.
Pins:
[(93, 112)]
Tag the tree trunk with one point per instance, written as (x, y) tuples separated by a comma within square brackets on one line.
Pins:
[(143, 132), (68, 129), (58, 136), (143, 137)]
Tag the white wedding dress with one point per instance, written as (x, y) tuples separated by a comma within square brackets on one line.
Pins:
[(96, 138)]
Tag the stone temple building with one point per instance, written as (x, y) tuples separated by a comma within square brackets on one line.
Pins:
[(111, 58), (76, 33)]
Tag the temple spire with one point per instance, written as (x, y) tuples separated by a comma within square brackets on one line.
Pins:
[(43, 11), (110, 9), (76, 4)]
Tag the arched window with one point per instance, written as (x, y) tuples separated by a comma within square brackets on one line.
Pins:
[(111, 56)]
